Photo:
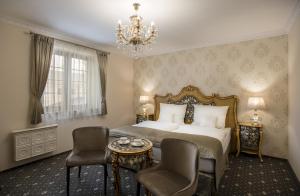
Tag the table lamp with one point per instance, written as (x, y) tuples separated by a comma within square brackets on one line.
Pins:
[(256, 103), (143, 101)]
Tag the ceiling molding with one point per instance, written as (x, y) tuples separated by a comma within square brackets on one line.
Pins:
[(292, 18), (111, 48), (201, 23), (56, 34), (227, 41)]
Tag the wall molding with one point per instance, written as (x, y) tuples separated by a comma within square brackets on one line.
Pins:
[(257, 36), (114, 49), (56, 34)]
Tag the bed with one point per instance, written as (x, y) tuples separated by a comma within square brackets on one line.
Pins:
[(214, 145)]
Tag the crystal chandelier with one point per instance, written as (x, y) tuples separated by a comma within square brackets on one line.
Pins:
[(135, 37)]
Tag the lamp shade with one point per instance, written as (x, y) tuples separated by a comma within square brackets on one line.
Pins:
[(144, 99), (256, 103)]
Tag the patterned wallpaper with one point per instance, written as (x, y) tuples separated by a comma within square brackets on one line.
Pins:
[(250, 68)]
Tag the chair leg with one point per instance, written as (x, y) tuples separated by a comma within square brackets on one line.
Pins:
[(79, 171), (68, 180), (138, 189), (213, 190), (147, 192), (105, 178)]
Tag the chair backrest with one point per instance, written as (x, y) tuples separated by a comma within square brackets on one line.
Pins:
[(181, 157), (90, 138)]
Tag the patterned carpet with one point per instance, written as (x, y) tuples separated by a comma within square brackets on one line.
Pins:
[(245, 176)]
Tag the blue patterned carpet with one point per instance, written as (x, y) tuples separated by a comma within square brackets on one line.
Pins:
[(245, 176)]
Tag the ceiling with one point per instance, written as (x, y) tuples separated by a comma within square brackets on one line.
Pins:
[(183, 24)]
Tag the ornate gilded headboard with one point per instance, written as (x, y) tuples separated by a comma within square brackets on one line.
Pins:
[(192, 95)]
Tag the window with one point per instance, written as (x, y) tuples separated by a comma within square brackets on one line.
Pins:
[(73, 85)]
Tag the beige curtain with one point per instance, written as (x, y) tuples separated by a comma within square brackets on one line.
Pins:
[(102, 60), (41, 53)]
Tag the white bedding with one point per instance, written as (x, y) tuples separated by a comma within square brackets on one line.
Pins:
[(223, 135), (164, 126)]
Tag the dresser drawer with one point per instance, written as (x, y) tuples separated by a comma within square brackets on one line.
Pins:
[(50, 146), (23, 140), (23, 153), (38, 137), (38, 149), (50, 135)]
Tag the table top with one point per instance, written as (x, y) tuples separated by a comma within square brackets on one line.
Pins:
[(114, 146), (251, 124)]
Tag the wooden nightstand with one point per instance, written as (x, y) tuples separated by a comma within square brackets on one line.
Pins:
[(249, 138), (143, 117)]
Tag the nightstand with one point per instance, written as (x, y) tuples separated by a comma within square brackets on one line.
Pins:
[(143, 117), (249, 138)]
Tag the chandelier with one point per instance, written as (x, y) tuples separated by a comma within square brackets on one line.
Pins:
[(135, 37)]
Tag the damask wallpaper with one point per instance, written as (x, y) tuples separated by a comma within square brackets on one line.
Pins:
[(250, 68)]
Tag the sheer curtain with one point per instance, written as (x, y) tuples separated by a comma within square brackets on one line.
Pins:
[(73, 88)]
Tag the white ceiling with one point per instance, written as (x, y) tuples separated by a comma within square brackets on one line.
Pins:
[(183, 24)]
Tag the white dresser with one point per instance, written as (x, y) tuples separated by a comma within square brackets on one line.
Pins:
[(34, 141)]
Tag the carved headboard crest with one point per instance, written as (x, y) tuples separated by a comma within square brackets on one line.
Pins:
[(192, 95)]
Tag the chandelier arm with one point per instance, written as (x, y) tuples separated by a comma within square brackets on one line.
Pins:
[(124, 38), (148, 40), (121, 37)]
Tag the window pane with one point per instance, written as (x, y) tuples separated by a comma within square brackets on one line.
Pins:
[(73, 85), (53, 96), (79, 83)]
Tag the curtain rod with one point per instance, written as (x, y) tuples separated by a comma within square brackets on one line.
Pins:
[(32, 33)]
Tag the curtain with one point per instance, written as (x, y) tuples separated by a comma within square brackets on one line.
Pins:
[(73, 87), (42, 53), (102, 60)]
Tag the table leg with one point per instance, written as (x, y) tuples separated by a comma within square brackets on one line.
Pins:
[(238, 147), (115, 169), (260, 144), (259, 155), (149, 158), (142, 164)]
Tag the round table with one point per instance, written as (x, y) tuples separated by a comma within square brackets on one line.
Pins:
[(127, 151)]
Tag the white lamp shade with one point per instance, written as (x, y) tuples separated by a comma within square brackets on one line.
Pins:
[(144, 99), (256, 103)]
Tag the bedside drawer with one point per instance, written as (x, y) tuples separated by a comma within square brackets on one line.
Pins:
[(23, 140), (50, 146), (50, 135), (38, 149), (250, 137), (23, 153), (38, 137)]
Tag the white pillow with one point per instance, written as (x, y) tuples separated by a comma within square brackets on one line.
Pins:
[(206, 111), (206, 121), (172, 113)]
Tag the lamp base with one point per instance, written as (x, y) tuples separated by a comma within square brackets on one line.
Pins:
[(144, 111), (255, 119)]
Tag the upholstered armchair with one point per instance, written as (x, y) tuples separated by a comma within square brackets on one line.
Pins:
[(176, 174), (89, 148)]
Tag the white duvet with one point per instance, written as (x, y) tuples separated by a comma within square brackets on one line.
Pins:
[(223, 135), (164, 126)]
